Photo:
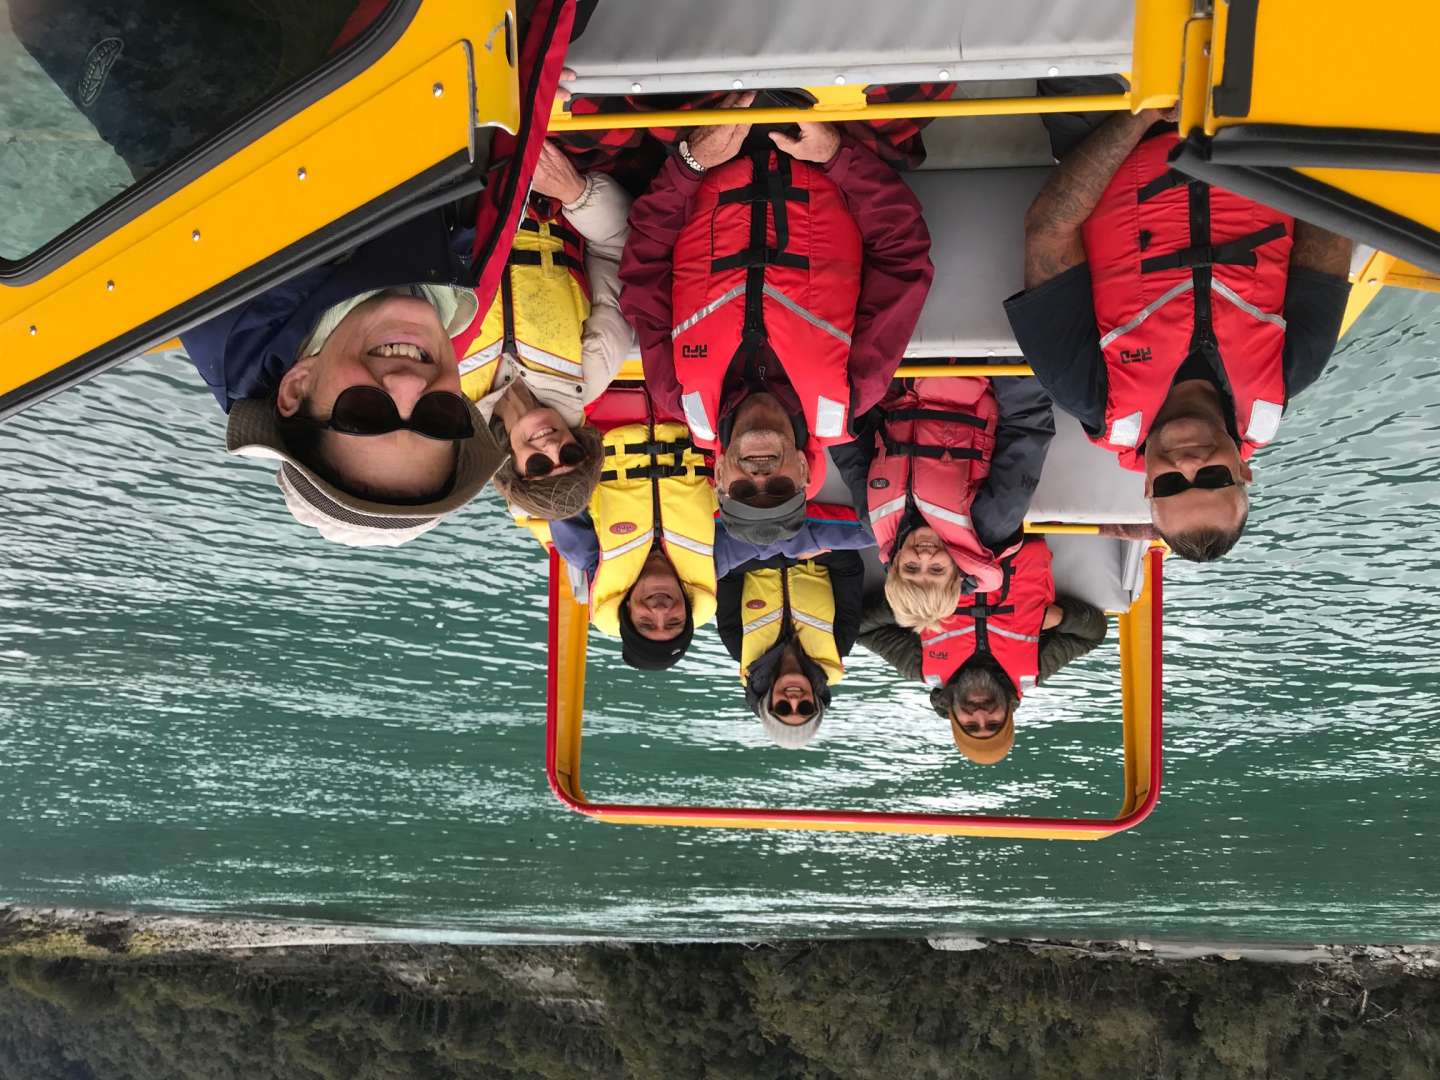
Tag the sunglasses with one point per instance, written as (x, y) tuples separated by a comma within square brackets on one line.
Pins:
[(1210, 478), (778, 487), (806, 707), (368, 410), (540, 464)]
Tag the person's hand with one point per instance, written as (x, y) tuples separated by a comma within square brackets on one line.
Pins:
[(818, 142), (1144, 531), (712, 146), (555, 176), (813, 553), (1053, 616), (562, 92)]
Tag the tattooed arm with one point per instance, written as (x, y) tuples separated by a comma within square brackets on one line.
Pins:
[(1052, 224), (1320, 249)]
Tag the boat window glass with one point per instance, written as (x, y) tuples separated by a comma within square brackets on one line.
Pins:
[(97, 96)]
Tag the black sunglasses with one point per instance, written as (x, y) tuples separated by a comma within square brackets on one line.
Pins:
[(1210, 478), (540, 464), (782, 707), (777, 487), (368, 410)]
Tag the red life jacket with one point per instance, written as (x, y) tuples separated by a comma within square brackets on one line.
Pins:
[(933, 452), (747, 289), (1005, 623), (625, 403), (1177, 265)]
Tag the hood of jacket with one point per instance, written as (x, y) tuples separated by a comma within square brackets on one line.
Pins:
[(246, 351)]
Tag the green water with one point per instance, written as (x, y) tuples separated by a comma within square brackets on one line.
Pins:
[(205, 708)]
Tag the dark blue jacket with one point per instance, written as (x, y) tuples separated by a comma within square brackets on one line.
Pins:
[(829, 528), (245, 352)]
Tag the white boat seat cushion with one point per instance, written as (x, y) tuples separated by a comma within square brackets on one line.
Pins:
[(1083, 483), (1106, 572)]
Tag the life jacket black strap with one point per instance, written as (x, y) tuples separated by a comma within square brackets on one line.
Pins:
[(985, 611), (675, 446), (910, 449), (560, 232), (1239, 252), (767, 256), (1164, 182), (936, 414), (769, 189), (535, 258), (759, 192), (658, 472)]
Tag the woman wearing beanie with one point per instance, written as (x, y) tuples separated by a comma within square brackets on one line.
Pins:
[(790, 624)]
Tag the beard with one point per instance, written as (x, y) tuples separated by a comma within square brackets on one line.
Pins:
[(978, 687)]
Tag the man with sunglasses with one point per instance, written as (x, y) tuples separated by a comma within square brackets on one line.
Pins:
[(346, 373), (1174, 319), (774, 282), (347, 377)]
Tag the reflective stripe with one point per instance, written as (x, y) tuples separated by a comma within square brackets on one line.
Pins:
[(688, 544), (1264, 421), (947, 635), (1148, 310), (708, 309), (931, 510), (1027, 682), (647, 537), (481, 358), (550, 360), (809, 316), (1011, 634), (1126, 430), (1244, 305), (763, 621), (885, 509), (695, 417), (810, 620), (829, 417)]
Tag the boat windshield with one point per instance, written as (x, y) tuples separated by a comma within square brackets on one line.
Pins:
[(95, 97)]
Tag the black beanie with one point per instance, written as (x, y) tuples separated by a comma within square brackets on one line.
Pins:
[(645, 655)]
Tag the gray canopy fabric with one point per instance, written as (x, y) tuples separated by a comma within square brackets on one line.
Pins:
[(670, 46)]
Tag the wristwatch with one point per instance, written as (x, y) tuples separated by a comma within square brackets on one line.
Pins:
[(684, 150)]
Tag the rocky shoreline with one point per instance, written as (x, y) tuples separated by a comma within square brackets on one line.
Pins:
[(59, 932), (115, 996)]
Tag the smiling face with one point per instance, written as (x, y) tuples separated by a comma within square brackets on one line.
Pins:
[(395, 343), (923, 559), (1187, 444), (761, 465), (792, 687), (541, 432), (656, 602)]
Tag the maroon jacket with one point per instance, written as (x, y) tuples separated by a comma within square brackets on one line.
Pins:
[(897, 272)]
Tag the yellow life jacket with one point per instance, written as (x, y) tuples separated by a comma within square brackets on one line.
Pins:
[(811, 601), (539, 310), (648, 469)]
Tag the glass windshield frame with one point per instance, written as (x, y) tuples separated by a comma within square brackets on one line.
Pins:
[(372, 43)]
